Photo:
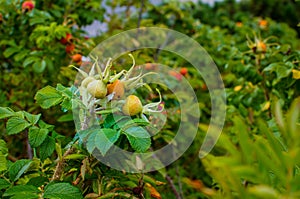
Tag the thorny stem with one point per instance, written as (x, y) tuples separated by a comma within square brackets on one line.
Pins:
[(60, 165)]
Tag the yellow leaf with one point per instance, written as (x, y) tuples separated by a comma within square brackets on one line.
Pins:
[(153, 192), (237, 88), (266, 106), (296, 74), (196, 184)]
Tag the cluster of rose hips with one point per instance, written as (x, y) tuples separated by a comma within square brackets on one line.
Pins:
[(70, 47), (98, 87)]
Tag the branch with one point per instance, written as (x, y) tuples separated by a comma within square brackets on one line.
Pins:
[(60, 165), (140, 14), (170, 181)]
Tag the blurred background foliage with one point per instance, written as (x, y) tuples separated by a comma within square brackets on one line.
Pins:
[(255, 45)]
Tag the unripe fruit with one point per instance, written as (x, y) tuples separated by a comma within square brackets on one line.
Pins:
[(27, 6), (183, 71), (77, 57), (261, 47), (97, 88), (118, 88), (70, 48), (66, 39), (86, 81), (132, 106)]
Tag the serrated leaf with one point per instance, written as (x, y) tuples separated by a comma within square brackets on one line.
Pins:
[(37, 136), (64, 90), (16, 125), (135, 122), (18, 168), (47, 147), (139, 144), (25, 191), (62, 191), (139, 138), (102, 139), (33, 119), (66, 104), (37, 181), (44, 125), (47, 97), (6, 112), (137, 131), (4, 184)]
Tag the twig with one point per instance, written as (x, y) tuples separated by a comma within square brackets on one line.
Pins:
[(140, 14), (170, 181), (12, 158), (28, 147), (60, 165), (179, 182)]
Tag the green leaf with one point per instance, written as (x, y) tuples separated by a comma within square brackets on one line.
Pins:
[(44, 125), (25, 191), (281, 69), (75, 156), (49, 63), (3, 147), (39, 66), (6, 112), (61, 191), (33, 119), (66, 104), (47, 97), (47, 147), (3, 162), (37, 181), (139, 138), (244, 139), (139, 144), (18, 168), (135, 122), (292, 119), (10, 51), (30, 60), (65, 91), (102, 139), (4, 184), (21, 55), (65, 118), (37, 136), (137, 131), (16, 125)]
